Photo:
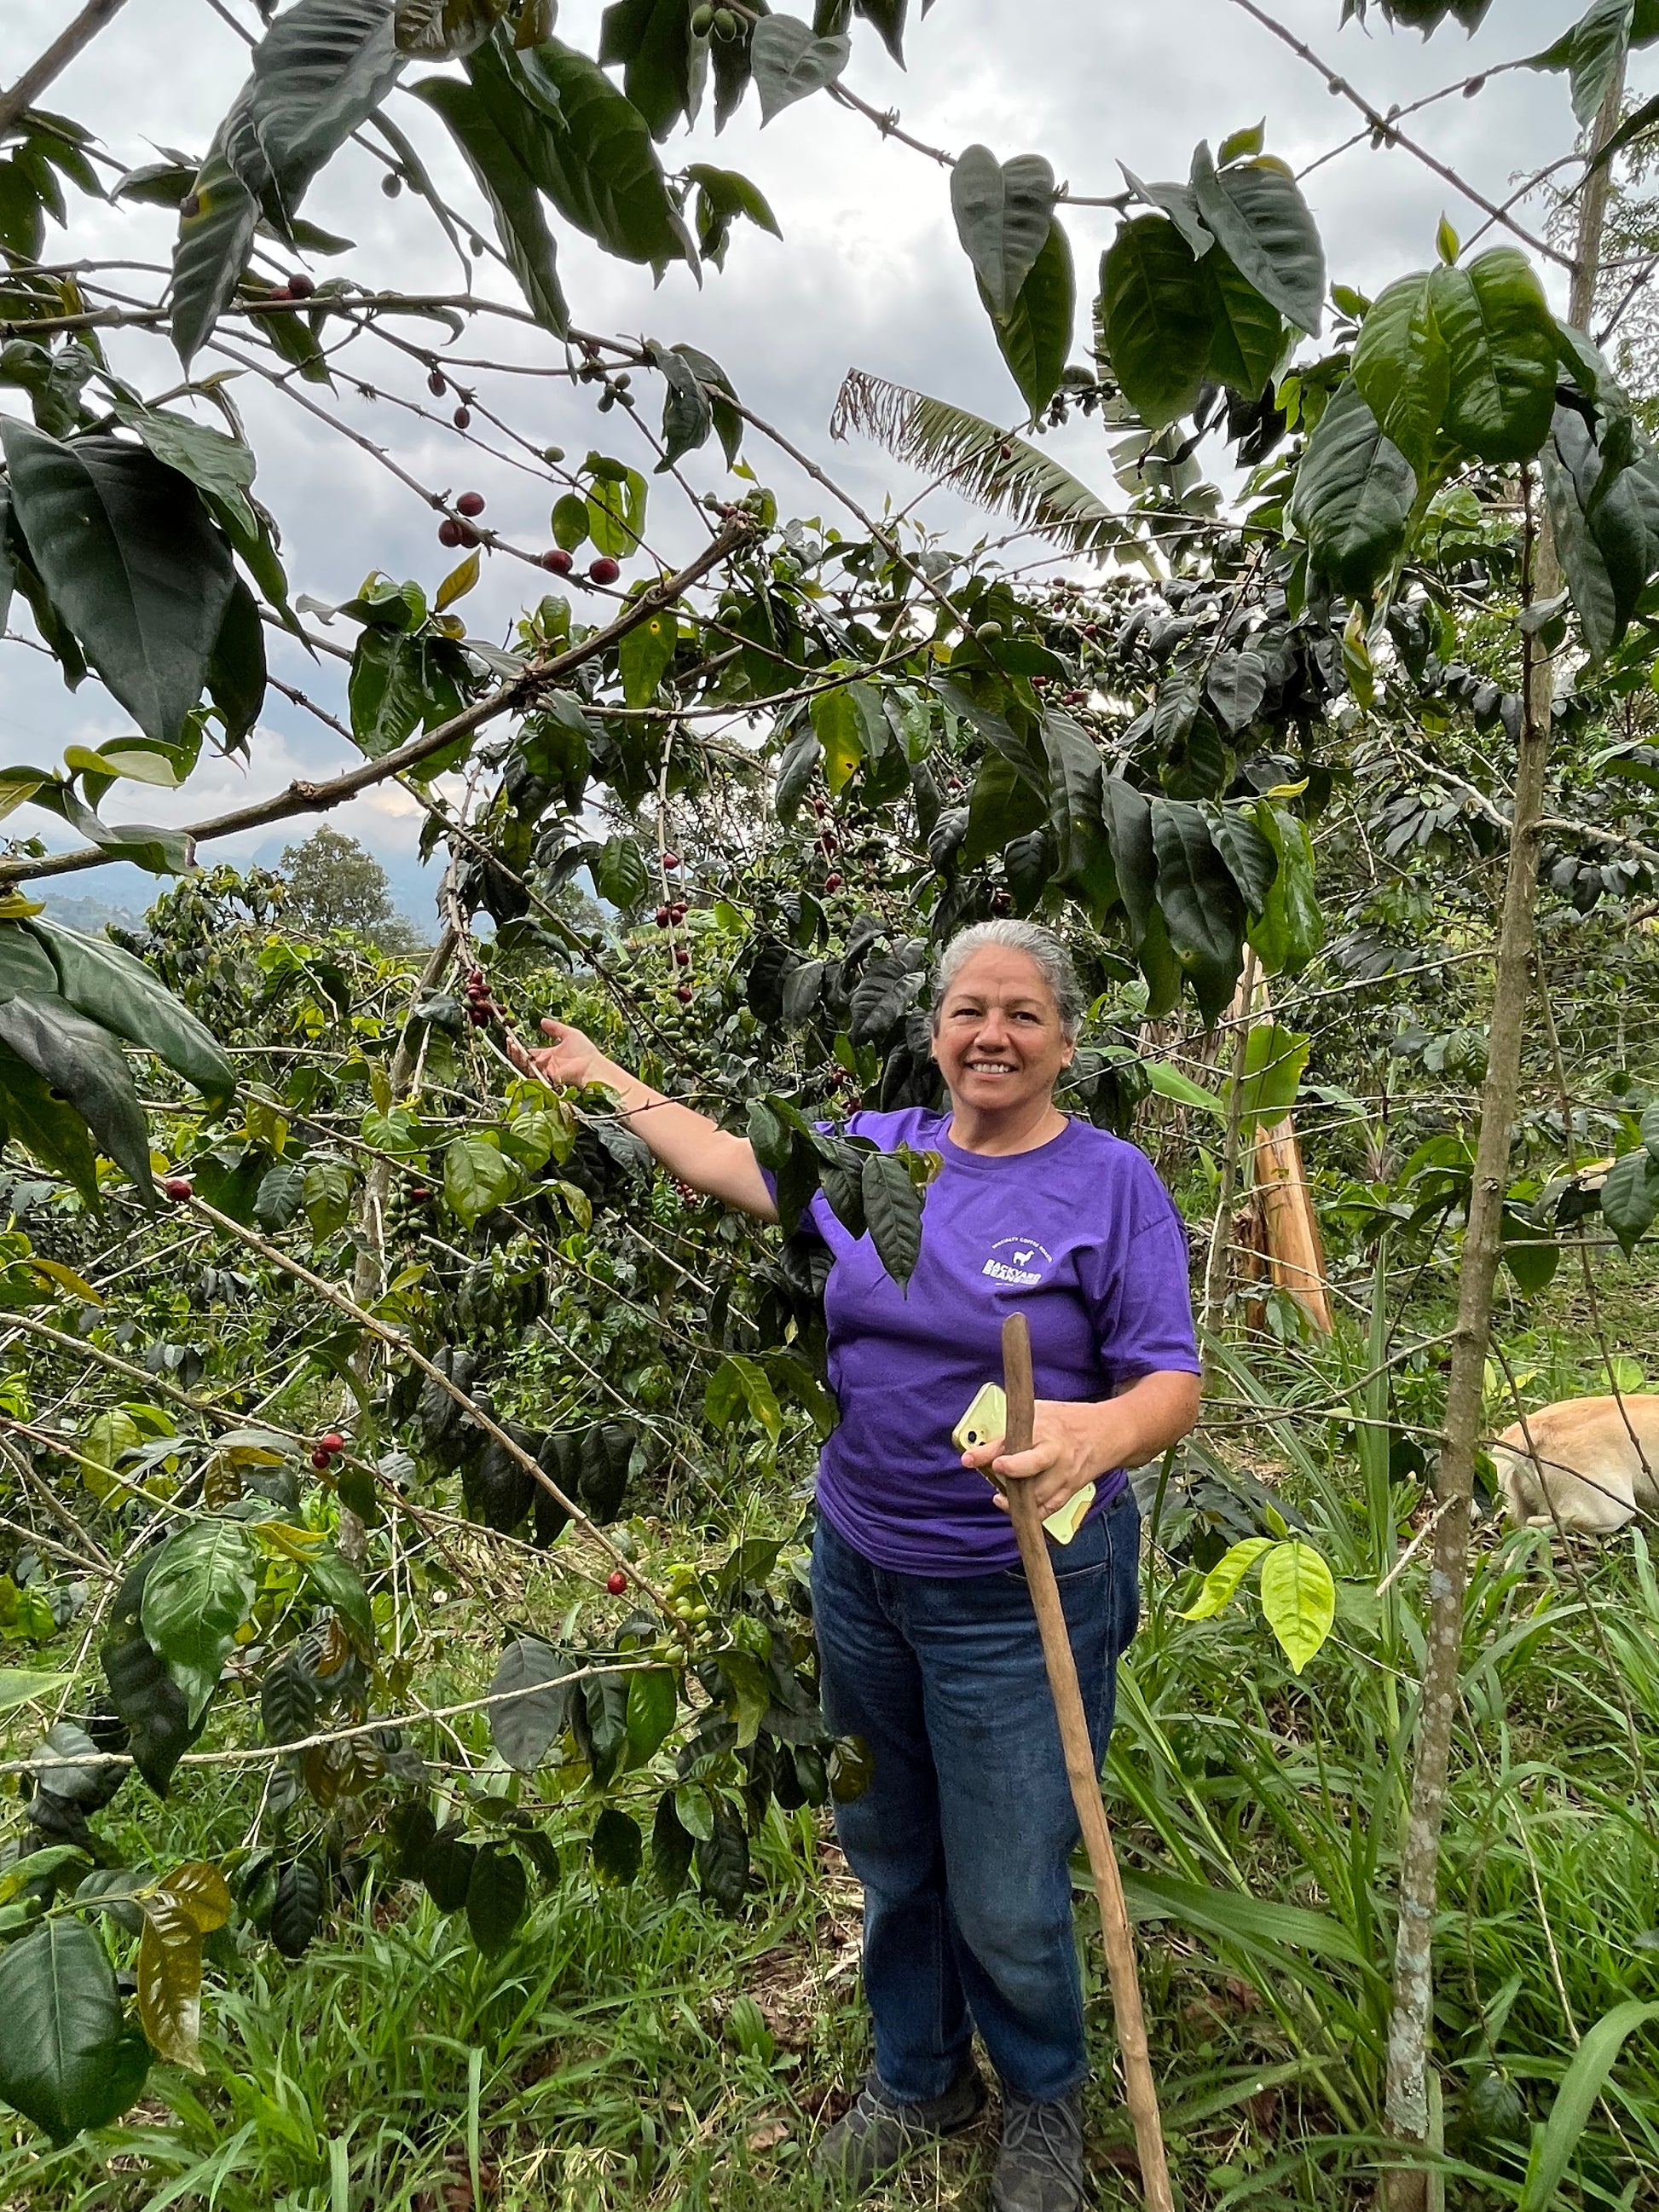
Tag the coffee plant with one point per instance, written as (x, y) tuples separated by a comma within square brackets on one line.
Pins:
[(789, 762)]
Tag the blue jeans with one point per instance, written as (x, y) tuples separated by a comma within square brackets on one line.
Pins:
[(962, 1838)]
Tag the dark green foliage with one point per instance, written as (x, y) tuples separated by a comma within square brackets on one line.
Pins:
[(66, 2063), (722, 1861), (505, 164), (297, 1911), (142, 1692), (1354, 494), (497, 1895), (534, 1705), (322, 68), (672, 1846), (136, 569), (618, 1847), (83, 1064), (591, 155)]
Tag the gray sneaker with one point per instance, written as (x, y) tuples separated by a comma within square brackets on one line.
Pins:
[(1039, 2166), (879, 2133)]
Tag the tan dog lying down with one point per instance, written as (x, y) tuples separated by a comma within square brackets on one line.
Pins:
[(1586, 1466)]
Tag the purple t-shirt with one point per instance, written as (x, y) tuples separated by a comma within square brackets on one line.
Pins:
[(1080, 1236)]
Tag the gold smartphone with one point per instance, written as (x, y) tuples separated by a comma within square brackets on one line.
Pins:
[(985, 1420)]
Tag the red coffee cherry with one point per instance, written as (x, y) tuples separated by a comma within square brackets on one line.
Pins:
[(664, 916), (462, 418), (449, 531), (469, 503), (671, 861), (300, 286), (178, 1189), (436, 385), (558, 560), (605, 570), (616, 1581), (832, 882), (682, 957), (685, 994), (320, 1461), (333, 1442)]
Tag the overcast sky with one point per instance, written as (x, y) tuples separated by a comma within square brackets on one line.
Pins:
[(868, 274)]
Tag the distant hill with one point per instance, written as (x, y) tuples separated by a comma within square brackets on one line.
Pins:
[(91, 916)]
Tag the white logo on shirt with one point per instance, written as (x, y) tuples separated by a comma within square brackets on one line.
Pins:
[(1017, 1267)]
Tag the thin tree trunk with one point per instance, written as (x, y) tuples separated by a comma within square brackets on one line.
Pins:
[(1161, 1127), (1406, 2190), (1218, 1266), (1407, 2111), (368, 1274)]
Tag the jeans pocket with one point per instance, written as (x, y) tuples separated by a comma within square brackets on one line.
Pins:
[(1122, 1526), (1067, 1573), (1089, 1553)]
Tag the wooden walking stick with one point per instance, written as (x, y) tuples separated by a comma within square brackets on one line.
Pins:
[(1019, 1391)]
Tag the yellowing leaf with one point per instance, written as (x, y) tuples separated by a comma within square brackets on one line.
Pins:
[(170, 1983), (1298, 1599), (108, 1439), (286, 1541), (581, 1205), (459, 582), (645, 656), (139, 764), (1221, 1583), (835, 722), (737, 1382), (199, 1890), (65, 1278), (1275, 1059), (267, 1125)]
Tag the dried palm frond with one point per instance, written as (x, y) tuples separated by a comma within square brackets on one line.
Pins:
[(973, 456)]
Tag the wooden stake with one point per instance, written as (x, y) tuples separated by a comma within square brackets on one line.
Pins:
[(1083, 1775)]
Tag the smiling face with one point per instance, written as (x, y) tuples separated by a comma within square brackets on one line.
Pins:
[(999, 1042)]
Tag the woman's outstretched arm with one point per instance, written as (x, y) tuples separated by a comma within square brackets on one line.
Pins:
[(687, 1143)]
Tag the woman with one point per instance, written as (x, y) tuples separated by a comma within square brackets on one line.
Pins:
[(929, 1646)]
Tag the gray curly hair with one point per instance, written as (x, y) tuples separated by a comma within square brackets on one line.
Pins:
[(1039, 945)]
